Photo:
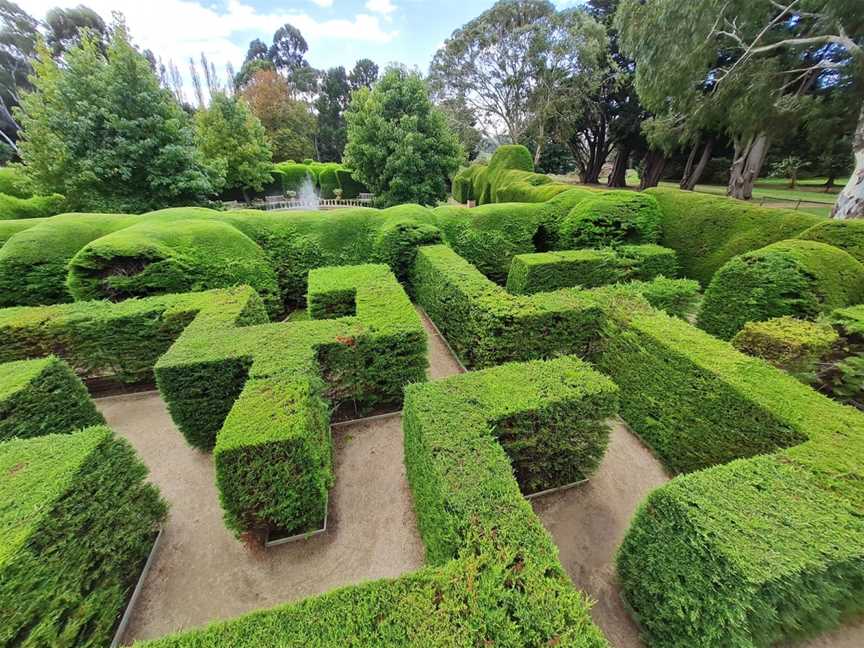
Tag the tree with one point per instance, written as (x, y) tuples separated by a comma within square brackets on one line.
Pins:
[(513, 64), (288, 123), (789, 168), (232, 140), (257, 51), (333, 98), (463, 122), (750, 62), (18, 38), (65, 28), (101, 131), (399, 144), (250, 69), (364, 74)]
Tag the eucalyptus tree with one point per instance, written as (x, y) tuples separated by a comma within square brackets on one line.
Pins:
[(752, 63)]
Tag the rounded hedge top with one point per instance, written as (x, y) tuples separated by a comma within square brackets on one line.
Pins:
[(611, 218), (847, 235), (794, 277)]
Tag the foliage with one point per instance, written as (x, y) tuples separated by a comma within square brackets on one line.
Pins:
[(101, 132), (41, 397), (848, 235), (612, 218), (289, 123), (364, 74), (78, 521), (231, 139), (33, 207), (789, 167), (798, 278), (399, 144), (333, 98), (787, 343), (66, 28)]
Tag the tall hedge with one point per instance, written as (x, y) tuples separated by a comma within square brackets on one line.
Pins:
[(294, 175), (611, 218), (328, 181), (77, 522), (43, 396), (12, 207), (351, 188), (794, 277)]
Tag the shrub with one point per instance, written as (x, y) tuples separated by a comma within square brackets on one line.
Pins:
[(8, 228), (153, 258), (12, 208), (509, 177), (544, 271), (553, 212), (798, 278), (754, 552), (486, 325), (13, 182), (328, 181), (494, 554), (294, 175), (43, 397), (848, 235), (258, 395), (78, 521), (611, 218), (351, 188), (787, 343), (708, 231), (676, 297)]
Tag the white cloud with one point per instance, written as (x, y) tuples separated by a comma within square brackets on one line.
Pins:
[(383, 7), (323, 3), (178, 29)]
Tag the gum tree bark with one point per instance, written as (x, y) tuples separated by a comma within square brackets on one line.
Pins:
[(749, 157), (850, 201), (618, 177), (655, 163), (691, 178)]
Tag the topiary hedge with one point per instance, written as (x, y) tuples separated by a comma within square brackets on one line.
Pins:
[(798, 278), (491, 552), (13, 182), (12, 207), (159, 257), (41, 397), (294, 175), (351, 188), (708, 231), (77, 522), (848, 235), (754, 552), (787, 343), (486, 325), (258, 395), (611, 218), (328, 181)]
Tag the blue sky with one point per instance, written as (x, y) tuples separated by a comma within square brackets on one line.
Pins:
[(338, 31)]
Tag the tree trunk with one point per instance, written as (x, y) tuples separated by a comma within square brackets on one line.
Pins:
[(829, 183), (695, 173), (655, 163), (539, 148), (746, 166), (618, 177), (850, 201), (688, 168)]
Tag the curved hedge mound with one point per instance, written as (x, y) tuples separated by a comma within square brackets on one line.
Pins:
[(707, 231), (12, 207), (158, 257), (611, 218), (14, 183), (848, 235), (799, 278)]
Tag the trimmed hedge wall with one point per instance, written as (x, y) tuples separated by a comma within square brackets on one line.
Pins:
[(486, 325), (164, 257), (294, 175), (43, 396), (13, 182), (328, 181), (611, 218), (351, 188), (848, 235), (497, 579), (12, 207), (787, 343), (756, 551), (258, 395), (77, 522), (799, 278), (707, 231), (544, 271)]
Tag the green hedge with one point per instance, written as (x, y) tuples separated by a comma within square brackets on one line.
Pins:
[(787, 343), (122, 340), (677, 297), (13, 182), (271, 446), (351, 188), (163, 257), (77, 522), (544, 271), (848, 235), (328, 181), (486, 325), (498, 580), (9, 228), (12, 207), (41, 397), (707, 231), (611, 218), (294, 175), (799, 278), (756, 551)]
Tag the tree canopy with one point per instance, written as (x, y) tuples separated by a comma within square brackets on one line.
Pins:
[(399, 144)]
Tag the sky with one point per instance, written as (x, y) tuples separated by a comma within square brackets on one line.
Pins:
[(338, 31)]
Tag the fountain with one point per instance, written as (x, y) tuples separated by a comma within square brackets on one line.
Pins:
[(307, 198)]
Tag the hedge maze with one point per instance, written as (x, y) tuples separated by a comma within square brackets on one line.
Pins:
[(554, 297)]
